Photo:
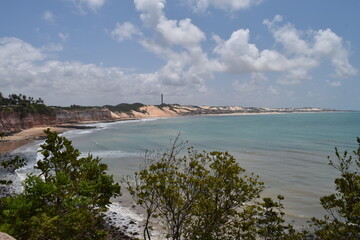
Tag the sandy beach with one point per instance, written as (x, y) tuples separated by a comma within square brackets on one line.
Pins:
[(10, 143)]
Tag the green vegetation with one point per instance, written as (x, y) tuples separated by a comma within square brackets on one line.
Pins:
[(65, 200), (24, 105), (343, 221), (15, 163), (75, 107), (11, 165), (125, 107), (205, 196)]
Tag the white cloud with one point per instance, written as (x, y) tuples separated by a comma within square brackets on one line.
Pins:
[(229, 5), (16, 57), (124, 31), (299, 53), (182, 33), (178, 42), (329, 45), (320, 45), (26, 69), (290, 38), (238, 56), (48, 16), (172, 32), (14, 51), (152, 11)]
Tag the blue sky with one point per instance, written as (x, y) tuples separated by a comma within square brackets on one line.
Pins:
[(262, 53)]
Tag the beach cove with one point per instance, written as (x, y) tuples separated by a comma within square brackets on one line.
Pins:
[(22, 131), (288, 151)]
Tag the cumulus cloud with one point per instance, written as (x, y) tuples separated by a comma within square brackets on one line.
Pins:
[(295, 55), (318, 45), (124, 31), (178, 42), (48, 16), (238, 56), (182, 33), (229, 5), (14, 51), (16, 57), (299, 53), (29, 70), (187, 66), (151, 11), (173, 32)]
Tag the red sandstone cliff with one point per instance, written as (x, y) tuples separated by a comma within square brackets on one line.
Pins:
[(12, 122)]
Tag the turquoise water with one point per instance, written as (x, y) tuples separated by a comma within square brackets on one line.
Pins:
[(288, 151)]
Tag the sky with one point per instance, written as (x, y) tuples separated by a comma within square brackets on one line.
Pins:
[(253, 53)]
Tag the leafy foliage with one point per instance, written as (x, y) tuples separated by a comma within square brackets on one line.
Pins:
[(343, 221), (65, 201), (10, 165), (15, 163), (204, 196), (24, 105)]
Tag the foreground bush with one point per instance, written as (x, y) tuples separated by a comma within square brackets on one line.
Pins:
[(65, 200), (343, 207), (205, 196)]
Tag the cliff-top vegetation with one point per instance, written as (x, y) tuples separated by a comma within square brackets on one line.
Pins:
[(23, 105)]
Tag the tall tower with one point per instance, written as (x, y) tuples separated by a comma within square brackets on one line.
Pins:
[(162, 99)]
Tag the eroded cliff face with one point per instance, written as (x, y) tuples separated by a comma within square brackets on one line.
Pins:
[(97, 114), (13, 122)]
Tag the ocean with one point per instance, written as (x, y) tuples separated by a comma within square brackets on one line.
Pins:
[(288, 151)]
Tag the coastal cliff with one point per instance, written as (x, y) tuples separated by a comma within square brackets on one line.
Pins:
[(11, 121), (14, 122), (95, 114)]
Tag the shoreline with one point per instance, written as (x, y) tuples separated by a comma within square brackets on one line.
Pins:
[(19, 139), (16, 140)]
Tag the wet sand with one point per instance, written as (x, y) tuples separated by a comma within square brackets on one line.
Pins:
[(10, 143)]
